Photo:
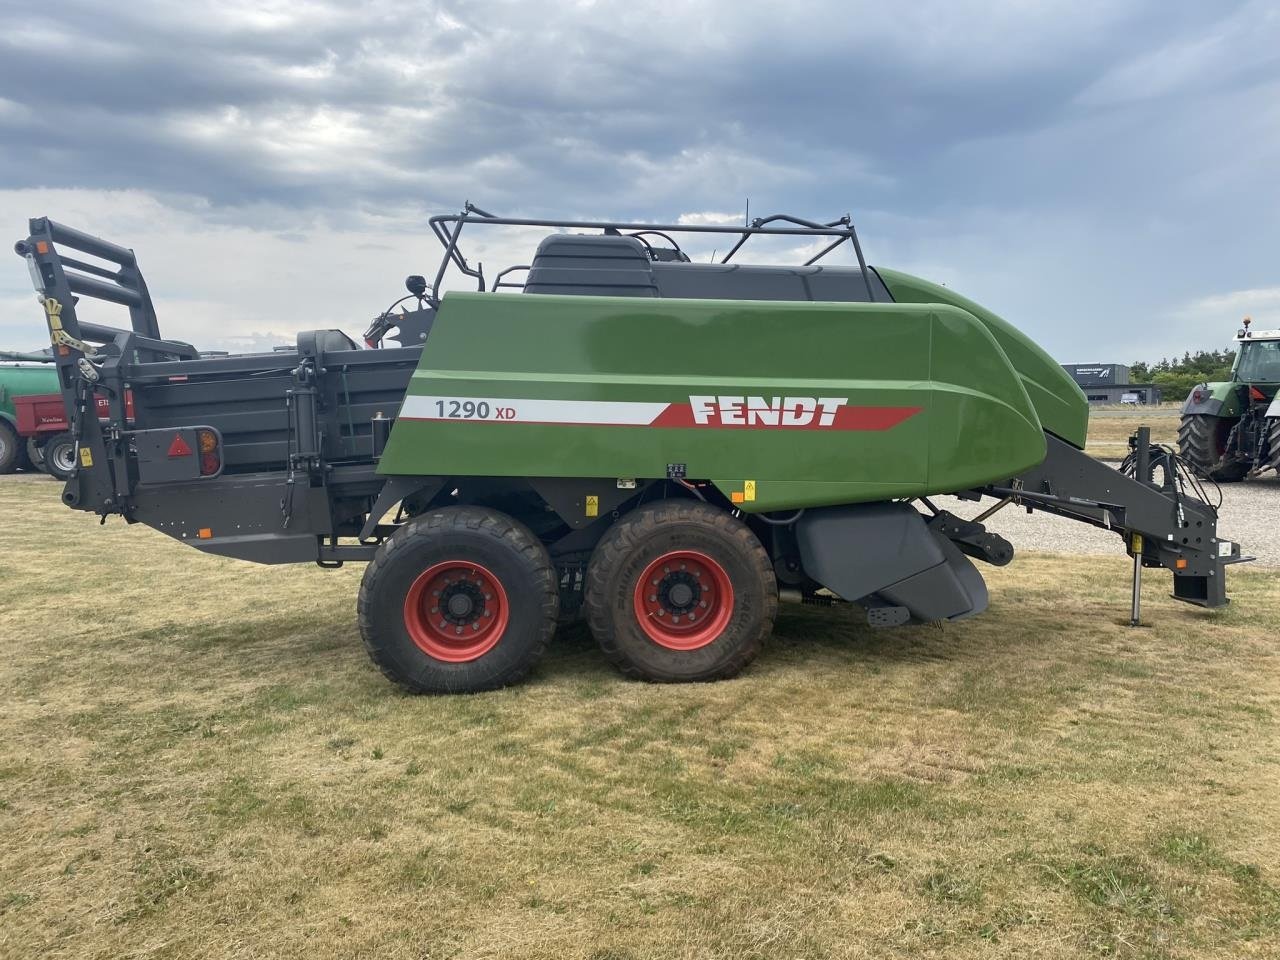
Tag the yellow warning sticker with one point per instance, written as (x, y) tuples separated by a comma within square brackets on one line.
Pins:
[(1136, 543), (748, 490), (86, 457), (593, 507)]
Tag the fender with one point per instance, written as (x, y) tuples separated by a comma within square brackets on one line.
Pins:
[(1217, 400)]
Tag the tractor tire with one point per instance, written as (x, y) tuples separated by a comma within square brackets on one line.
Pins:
[(1202, 440), (35, 454), (680, 591), (1273, 443), (60, 455), (10, 458), (458, 600)]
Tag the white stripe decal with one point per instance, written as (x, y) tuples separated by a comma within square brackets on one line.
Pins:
[(602, 412)]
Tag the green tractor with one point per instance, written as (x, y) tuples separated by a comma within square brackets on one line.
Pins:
[(1231, 430)]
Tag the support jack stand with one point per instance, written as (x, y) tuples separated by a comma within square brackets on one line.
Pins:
[(1135, 613)]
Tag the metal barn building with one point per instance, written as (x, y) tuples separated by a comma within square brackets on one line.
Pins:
[(1109, 383)]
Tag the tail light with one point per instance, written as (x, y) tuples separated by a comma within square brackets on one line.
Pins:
[(210, 452), (1197, 395)]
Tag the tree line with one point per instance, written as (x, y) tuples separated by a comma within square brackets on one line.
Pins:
[(1176, 377)]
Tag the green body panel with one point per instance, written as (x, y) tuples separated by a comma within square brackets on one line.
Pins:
[(24, 380), (1059, 402), (974, 422)]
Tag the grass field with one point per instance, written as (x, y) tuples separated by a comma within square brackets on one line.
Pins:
[(1111, 426), (199, 761)]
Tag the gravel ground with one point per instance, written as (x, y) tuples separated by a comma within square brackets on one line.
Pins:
[(1250, 514)]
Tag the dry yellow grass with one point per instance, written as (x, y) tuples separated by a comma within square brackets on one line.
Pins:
[(199, 762), (1111, 426)]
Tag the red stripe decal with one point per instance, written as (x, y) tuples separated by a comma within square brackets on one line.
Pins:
[(796, 418)]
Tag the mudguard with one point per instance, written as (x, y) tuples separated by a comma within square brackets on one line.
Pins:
[(1218, 400)]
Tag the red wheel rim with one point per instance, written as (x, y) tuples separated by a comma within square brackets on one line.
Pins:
[(683, 600), (456, 611)]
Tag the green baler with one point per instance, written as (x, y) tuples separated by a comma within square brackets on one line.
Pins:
[(667, 447)]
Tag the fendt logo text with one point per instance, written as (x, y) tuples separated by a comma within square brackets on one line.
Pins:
[(730, 411), (725, 412)]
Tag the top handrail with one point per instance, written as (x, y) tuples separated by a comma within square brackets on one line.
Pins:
[(448, 230)]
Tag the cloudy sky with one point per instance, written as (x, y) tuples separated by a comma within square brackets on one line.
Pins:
[(1104, 174)]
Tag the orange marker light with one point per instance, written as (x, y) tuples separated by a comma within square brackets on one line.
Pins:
[(1181, 563), (204, 533), (42, 246)]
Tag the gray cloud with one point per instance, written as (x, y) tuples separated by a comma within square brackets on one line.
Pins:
[(1087, 168)]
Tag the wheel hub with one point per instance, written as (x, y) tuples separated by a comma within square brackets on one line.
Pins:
[(681, 592), (459, 599)]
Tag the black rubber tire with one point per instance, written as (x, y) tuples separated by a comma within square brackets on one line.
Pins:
[(60, 455), (503, 546), (1201, 439), (25, 462), (35, 454), (10, 449), (1273, 443), (641, 537)]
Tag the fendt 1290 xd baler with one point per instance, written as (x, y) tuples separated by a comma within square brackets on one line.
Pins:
[(666, 447)]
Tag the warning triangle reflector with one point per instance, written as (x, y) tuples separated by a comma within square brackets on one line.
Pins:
[(179, 447)]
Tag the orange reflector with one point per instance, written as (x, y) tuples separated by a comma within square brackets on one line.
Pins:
[(179, 447), (204, 533), (63, 350), (736, 496), (42, 246), (1181, 563)]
